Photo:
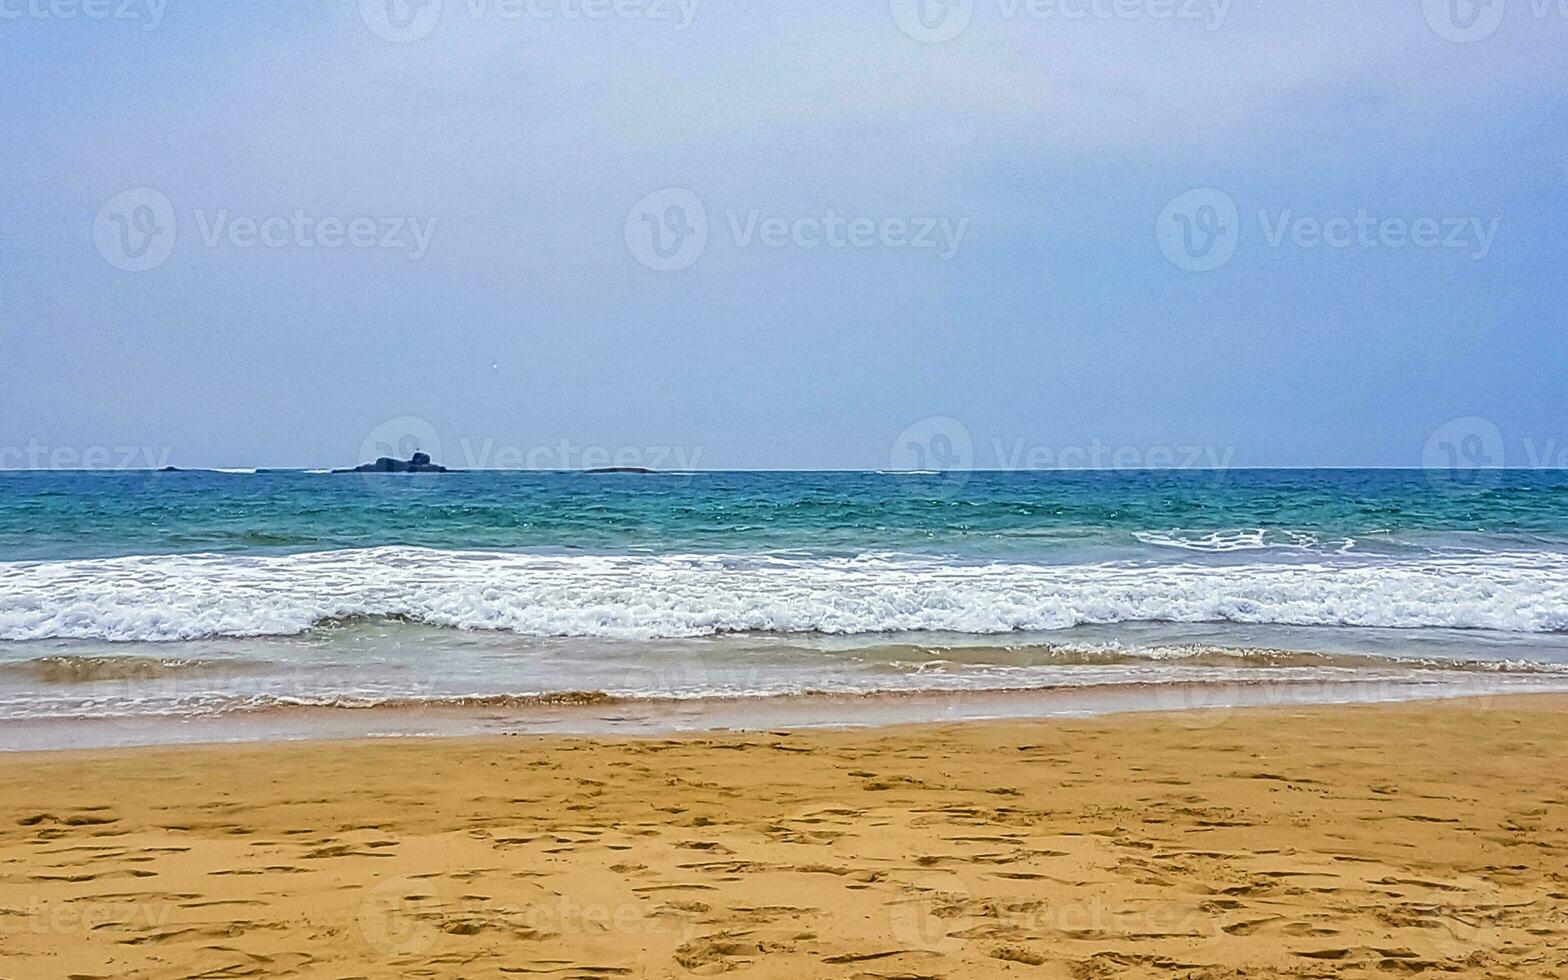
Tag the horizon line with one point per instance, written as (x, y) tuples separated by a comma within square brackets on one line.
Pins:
[(597, 471)]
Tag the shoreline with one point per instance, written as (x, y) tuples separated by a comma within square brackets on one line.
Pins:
[(594, 714), (1178, 717), (1315, 840)]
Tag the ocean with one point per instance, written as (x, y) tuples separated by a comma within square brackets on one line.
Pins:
[(142, 607)]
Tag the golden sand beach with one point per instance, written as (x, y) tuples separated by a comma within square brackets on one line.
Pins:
[(1419, 839)]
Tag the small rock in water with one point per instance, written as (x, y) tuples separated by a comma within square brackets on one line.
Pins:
[(418, 463)]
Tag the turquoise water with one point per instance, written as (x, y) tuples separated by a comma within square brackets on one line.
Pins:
[(1035, 515), (199, 598)]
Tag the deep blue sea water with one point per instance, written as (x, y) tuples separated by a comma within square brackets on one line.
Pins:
[(195, 595)]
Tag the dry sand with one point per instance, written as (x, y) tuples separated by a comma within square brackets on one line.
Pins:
[(1411, 839)]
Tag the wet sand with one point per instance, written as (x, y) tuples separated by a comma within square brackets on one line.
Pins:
[(1426, 838)]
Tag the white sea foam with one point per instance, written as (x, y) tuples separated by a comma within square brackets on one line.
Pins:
[(192, 596), (1240, 539)]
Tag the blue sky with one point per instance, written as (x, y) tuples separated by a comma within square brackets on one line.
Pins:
[(500, 296)]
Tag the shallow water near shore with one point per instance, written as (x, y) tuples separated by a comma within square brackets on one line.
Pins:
[(216, 606), (401, 679)]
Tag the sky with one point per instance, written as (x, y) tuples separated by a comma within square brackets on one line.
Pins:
[(712, 234)]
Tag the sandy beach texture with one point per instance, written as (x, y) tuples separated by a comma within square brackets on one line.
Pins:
[(1400, 840)]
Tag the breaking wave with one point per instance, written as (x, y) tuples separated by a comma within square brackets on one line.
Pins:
[(183, 597)]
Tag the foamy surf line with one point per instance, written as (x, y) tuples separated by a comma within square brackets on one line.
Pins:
[(187, 597), (1182, 693), (917, 661), (1189, 705)]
